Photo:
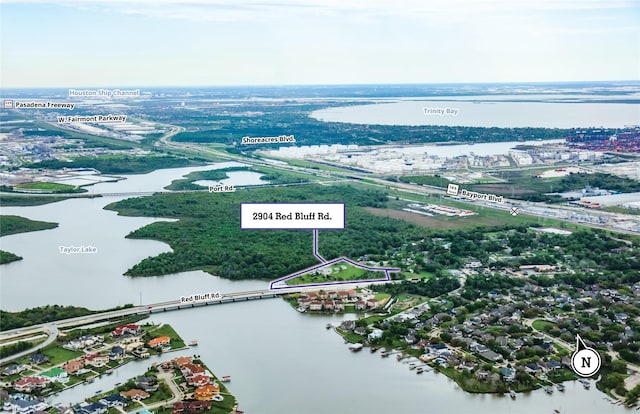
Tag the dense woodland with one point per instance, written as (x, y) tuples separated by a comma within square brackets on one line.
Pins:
[(228, 124), (117, 164), (16, 224), (208, 235), (34, 316), (8, 257)]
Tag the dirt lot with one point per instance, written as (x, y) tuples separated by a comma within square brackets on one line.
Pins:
[(501, 189), (426, 221)]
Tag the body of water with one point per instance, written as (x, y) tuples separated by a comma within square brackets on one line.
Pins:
[(280, 361), (285, 362), (487, 114)]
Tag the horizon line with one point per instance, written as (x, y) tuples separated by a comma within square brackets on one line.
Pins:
[(296, 85)]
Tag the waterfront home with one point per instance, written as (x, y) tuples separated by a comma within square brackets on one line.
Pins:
[(180, 361), (348, 326), (466, 366), (114, 400), (83, 342), (191, 407), (361, 305), (483, 375), (532, 368), (375, 334), (56, 374), (38, 359), (73, 366), (129, 329), (25, 406), (117, 353), (316, 305), (94, 408), (132, 346), (329, 305), (436, 349), (360, 330), (338, 305), (191, 369), (96, 360), (206, 392), (199, 380), (507, 373), (372, 303), (410, 338), (159, 342), (140, 352), (135, 394), (28, 384), (148, 384), (304, 302)]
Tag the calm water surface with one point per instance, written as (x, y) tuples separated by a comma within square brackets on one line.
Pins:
[(494, 114), (281, 361)]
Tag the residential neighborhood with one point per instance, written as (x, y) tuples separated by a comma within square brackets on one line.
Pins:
[(510, 325)]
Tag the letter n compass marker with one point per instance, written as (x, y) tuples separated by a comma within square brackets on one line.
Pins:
[(585, 361)]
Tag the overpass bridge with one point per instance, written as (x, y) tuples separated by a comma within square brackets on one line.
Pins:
[(51, 329)]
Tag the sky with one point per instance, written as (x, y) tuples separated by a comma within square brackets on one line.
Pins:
[(138, 43)]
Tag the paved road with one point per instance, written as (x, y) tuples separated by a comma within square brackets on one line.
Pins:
[(52, 332)]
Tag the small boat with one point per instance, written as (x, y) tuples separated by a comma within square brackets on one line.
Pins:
[(373, 349), (226, 378), (301, 309), (512, 394), (193, 342), (90, 380), (556, 411), (560, 387), (329, 326), (548, 389), (384, 354), (117, 384), (109, 371), (98, 392), (412, 366), (419, 370), (356, 347), (584, 383)]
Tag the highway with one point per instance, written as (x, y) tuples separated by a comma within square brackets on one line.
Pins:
[(51, 329)]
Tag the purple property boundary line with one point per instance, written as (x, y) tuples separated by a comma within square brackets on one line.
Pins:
[(387, 273), (315, 247)]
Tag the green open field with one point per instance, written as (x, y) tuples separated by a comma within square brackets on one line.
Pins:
[(50, 187), (345, 272), (486, 216), (166, 330), (57, 354), (540, 325)]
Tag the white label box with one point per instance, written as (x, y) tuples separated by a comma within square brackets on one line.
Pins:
[(292, 216)]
